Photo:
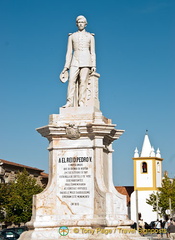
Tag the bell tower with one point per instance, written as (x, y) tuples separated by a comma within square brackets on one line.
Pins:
[(147, 179), (147, 167)]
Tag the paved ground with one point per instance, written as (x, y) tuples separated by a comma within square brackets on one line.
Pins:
[(155, 237)]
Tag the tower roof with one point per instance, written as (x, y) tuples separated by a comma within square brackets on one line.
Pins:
[(146, 147)]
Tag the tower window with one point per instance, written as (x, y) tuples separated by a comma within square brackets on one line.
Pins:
[(144, 167)]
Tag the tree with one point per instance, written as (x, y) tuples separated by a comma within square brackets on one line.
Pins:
[(166, 192), (4, 193), (16, 198)]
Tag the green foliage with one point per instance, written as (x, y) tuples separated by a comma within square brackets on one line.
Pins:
[(166, 192), (4, 193), (16, 198)]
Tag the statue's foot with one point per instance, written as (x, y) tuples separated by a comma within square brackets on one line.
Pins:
[(68, 104)]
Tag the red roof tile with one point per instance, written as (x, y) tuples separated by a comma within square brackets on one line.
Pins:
[(44, 175), (125, 190), (19, 165)]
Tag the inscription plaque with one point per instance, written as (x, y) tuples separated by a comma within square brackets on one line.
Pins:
[(75, 179)]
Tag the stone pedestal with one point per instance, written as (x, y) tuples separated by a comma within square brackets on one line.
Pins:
[(80, 192), (80, 195)]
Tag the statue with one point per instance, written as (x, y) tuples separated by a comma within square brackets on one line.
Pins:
[(80, 61)]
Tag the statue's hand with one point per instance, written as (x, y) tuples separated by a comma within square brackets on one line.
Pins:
[(64, 75), (64, 70), (93, 69)]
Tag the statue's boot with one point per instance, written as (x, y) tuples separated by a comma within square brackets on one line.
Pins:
[(68, 104)]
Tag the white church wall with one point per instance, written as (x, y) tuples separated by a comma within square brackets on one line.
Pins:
[(145, 209), (144, 179)]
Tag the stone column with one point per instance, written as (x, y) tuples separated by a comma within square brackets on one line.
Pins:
[(92, 98)]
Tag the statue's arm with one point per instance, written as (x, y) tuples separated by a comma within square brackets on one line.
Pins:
[(93, 55), (68, 54)]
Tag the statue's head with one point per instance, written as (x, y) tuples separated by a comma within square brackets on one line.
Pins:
[(81, 22)]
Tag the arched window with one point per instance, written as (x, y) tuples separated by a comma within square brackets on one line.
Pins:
[(144, 167)]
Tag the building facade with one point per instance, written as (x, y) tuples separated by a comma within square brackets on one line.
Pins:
[(8, 171)]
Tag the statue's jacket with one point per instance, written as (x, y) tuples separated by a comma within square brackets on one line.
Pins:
[(80, 50)]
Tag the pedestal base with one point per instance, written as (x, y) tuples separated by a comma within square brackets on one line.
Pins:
[(112, 233)]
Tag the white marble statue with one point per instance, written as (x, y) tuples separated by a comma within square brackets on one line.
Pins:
[(80, 61)]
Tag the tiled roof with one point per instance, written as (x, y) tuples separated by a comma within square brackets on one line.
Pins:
[(125, 190), (19, 165), (44, 175)]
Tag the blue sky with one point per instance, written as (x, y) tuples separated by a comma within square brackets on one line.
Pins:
[(135, 58)]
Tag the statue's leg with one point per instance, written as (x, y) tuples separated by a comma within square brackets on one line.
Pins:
[(73, 75), (84, 75)]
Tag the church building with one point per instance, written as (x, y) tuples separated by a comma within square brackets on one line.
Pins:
[(147, 179)]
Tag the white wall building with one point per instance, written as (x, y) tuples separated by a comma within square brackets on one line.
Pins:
[(147, 179)]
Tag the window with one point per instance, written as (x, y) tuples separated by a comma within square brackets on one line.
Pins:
[(144, 167)]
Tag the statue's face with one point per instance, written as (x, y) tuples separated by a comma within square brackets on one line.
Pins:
[(81, 24)]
